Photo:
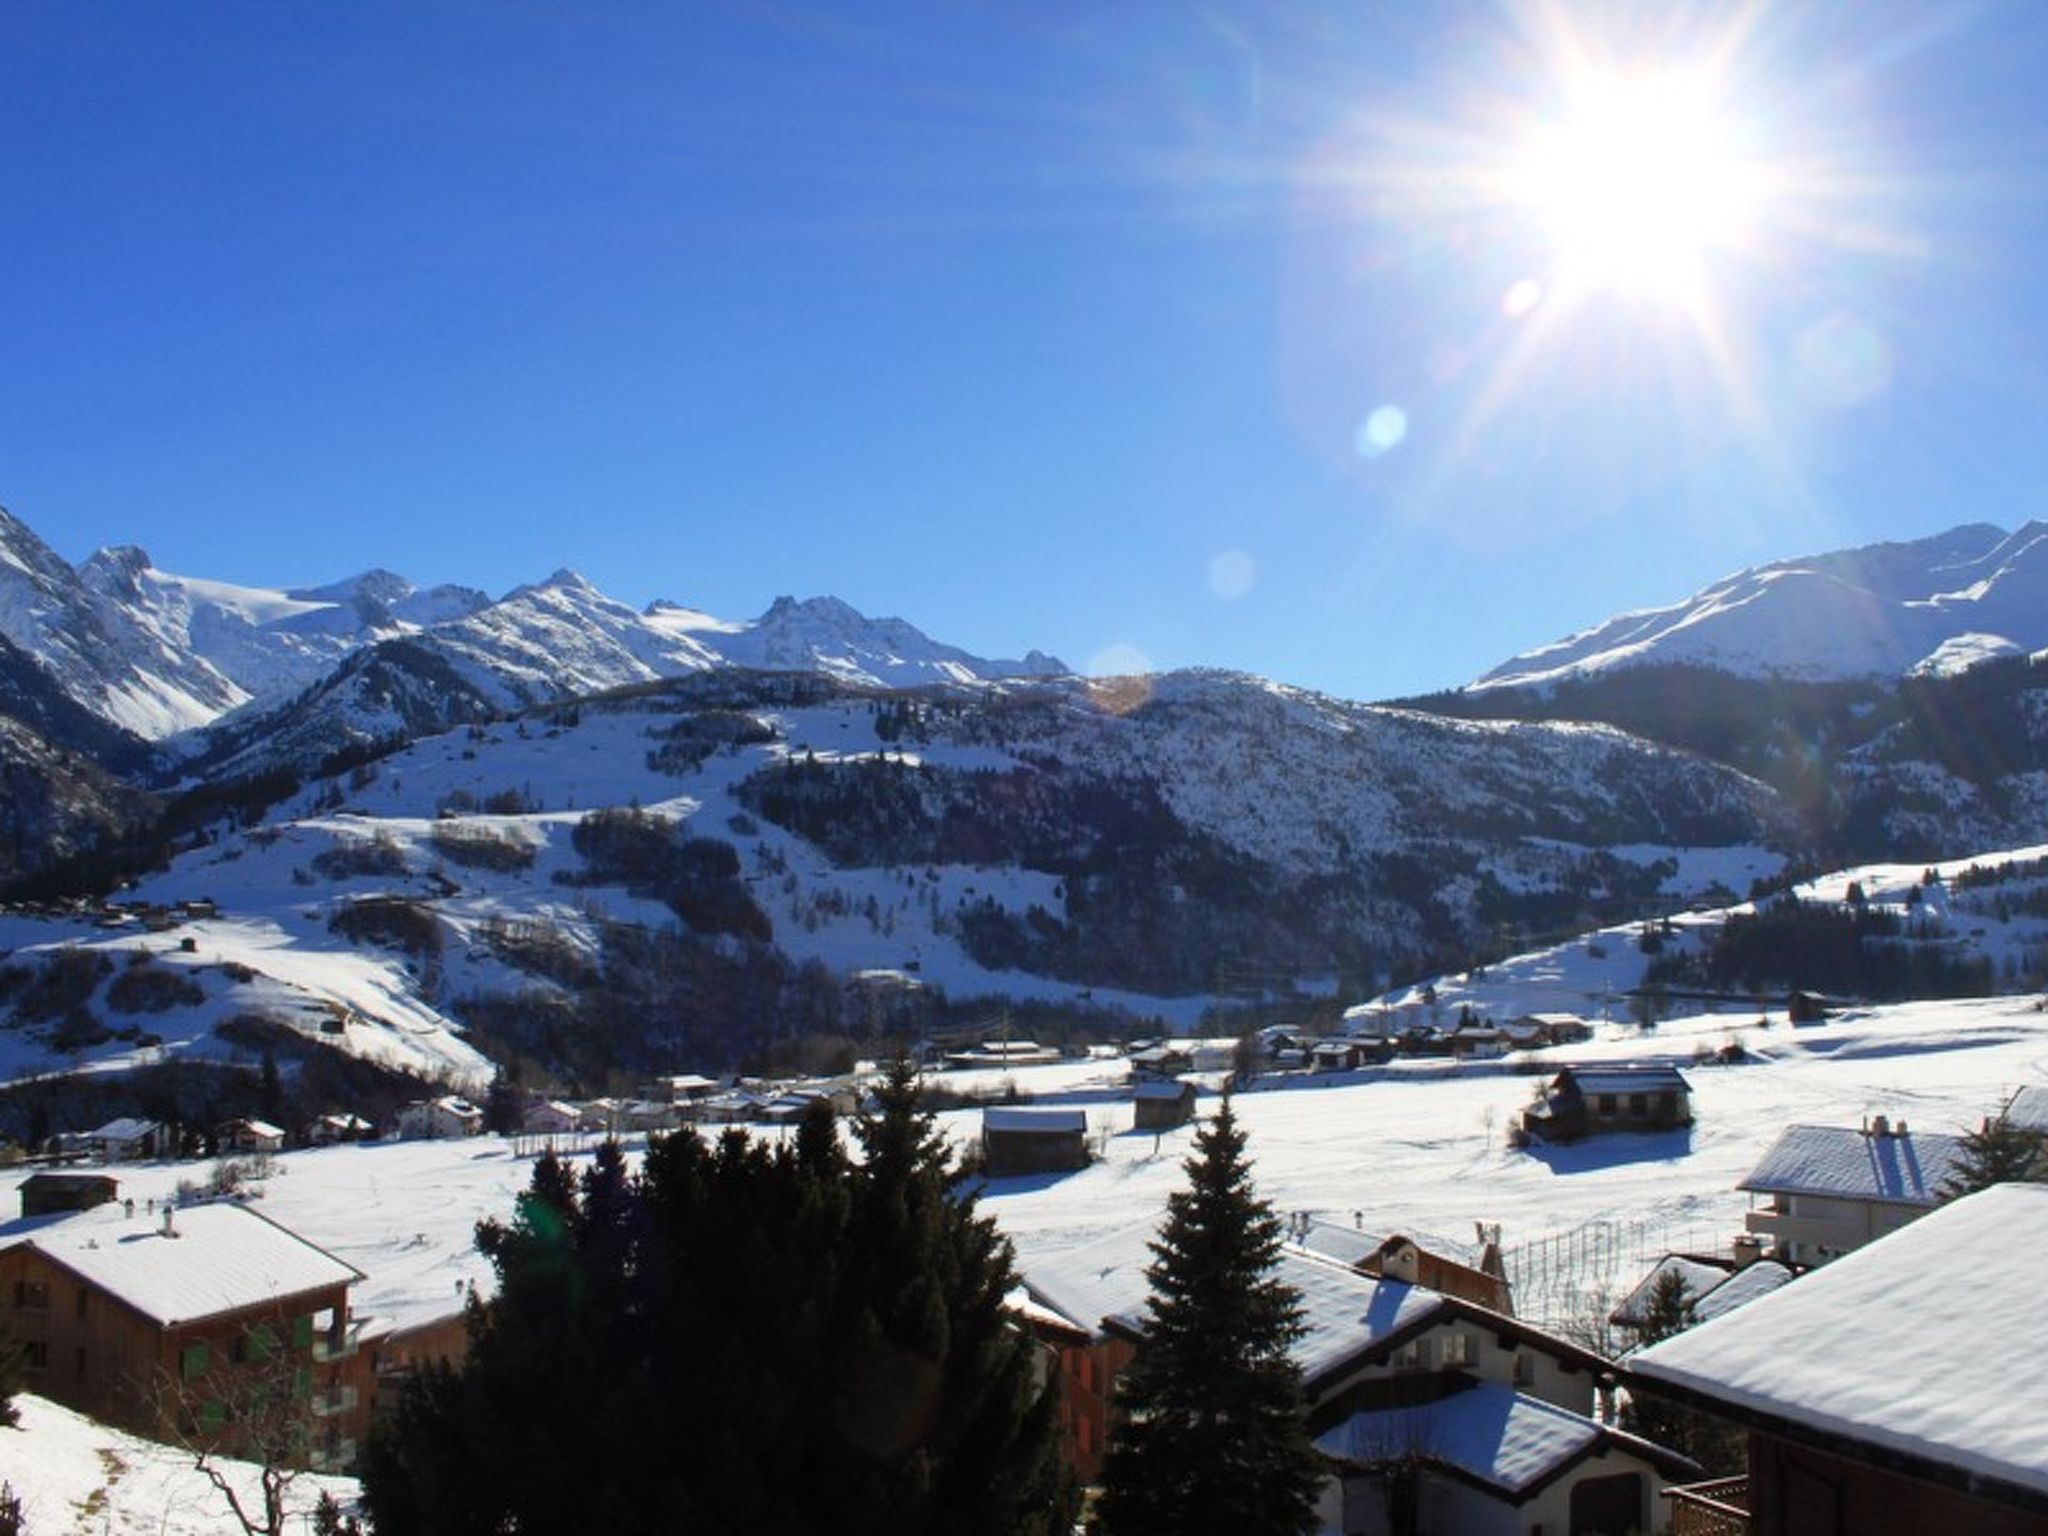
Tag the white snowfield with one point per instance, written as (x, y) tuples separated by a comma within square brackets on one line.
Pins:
[(74, 1474)]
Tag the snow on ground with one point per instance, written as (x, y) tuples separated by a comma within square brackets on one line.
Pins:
[(75, 1475)]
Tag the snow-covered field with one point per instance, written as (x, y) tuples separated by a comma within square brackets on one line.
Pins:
[(1416, 1146)]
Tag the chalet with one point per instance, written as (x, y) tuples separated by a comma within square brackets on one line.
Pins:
[(552, 1117), (1874, 1396), (1004, 1053), (178, 1326), (1165, 1060), (1552, 1028), (52, 1194), (437, 1119), (247, 1135), (128, 1140), (1626, 1096), (1017, 1141), (1339, 1055), (1828, 1189), (1162, 1106), (1479, 1041), (1492, 1420), (329, 1129), (680, 1088), (1809, 1007), (1402, 1258)]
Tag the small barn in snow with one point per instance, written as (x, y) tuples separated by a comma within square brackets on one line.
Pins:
[(1162, 1105), (1017, 1141)]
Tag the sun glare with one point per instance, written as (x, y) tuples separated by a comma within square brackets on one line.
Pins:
[(1637, 185)]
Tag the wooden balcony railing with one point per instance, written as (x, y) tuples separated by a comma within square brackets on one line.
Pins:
[(1719, 1508)]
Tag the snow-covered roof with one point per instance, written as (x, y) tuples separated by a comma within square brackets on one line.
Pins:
[(1171, 1089), (1488, 1433), (1343, 1311), (259, 1128), (1887, 1167), (1045, 1122), (127, 1128), (1915, 1343), (1741, 1288), (1626, 1077), (1699, 1278), (217, 1258)]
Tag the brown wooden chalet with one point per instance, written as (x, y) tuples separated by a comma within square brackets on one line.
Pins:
[(1593, 1098), (173, 1323), (1015, 1141)]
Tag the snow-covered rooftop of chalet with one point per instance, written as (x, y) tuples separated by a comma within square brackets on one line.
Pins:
[(1048, 1122), (1888, 1167), (1915, 1343), (1491, 1433), (1153, 1088), (1626, 1077), (1344, 1311), (1710, 1289), (219, 1258), (1741, 1288), (1699, 1279)]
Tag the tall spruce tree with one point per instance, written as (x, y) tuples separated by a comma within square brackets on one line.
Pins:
[(1212, 1435), (1997, 1152), (744, 1337)]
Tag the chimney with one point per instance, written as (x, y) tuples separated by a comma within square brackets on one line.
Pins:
[(1879, 1126), (169, 1229), (1748, 1248), (1898, 1127)]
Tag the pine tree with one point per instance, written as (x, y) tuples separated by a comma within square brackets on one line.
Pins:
[(741, 1338), (1997, 1152), (1213, 1432)]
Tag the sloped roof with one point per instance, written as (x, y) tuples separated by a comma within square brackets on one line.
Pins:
[(1914, 1344), (127, 1128), (1045, 1122), (1344, 1311), (1699, 1278), (1627, 1077), (1172, 1089), (1741, 1288), (1488, 1434), (1850, 1164), (223, 1258)]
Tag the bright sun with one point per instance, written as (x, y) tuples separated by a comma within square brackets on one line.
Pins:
[(1637, 184)]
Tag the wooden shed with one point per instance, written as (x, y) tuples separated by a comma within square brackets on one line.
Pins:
[(1017, 1141), (1162, 1106)]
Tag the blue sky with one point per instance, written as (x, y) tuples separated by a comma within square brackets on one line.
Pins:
[(1182, 333)]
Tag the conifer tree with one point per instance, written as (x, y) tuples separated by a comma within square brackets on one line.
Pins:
[(1997, 1152), (1213, 1435), (741, 1338)]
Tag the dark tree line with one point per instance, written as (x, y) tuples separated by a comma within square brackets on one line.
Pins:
[(738, 1338)]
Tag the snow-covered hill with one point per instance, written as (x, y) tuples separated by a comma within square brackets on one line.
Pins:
[(1881, 611)]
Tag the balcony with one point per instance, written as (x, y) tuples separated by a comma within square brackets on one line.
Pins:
[(324, 1405), (1788, 1230), (1719, 1508), (339, 1343)]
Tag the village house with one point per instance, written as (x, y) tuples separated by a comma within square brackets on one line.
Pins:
[(128, 1140), (327, 1130), (1590, 1100), (1828, 1190), (249, 1136), (550, 1118), (174, 1325), (1015, 1141), (1877, 1400), (436, 1119), (1162, 1105), (51, 1194), (1550, 1028), (1486, 1424)]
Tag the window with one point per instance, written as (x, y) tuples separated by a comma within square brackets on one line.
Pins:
[(302, 1332), (191, 1362), (33, 1295), (35, 1355), (1639, 1103), (1604, 1103), (1525, 1369), (1457, 1348)]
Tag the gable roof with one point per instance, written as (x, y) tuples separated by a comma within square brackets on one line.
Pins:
[(1489, 1435), (1906, 1346), (1044, 1122), (1625, 1077), (1887, 1168), (221, 1258), (1171, 1089)]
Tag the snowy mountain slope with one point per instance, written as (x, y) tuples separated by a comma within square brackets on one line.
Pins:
[(269, 643), (686, 871), (822, 634), (1875, 612), (54, 803), (102, 655)]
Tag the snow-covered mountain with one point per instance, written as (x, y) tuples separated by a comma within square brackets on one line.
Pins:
[(159, 654), (1931, 605)]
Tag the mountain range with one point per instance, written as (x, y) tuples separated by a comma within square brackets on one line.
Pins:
[(593, 838)]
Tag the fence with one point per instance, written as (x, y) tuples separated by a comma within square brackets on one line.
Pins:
[(1571, 1280)]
